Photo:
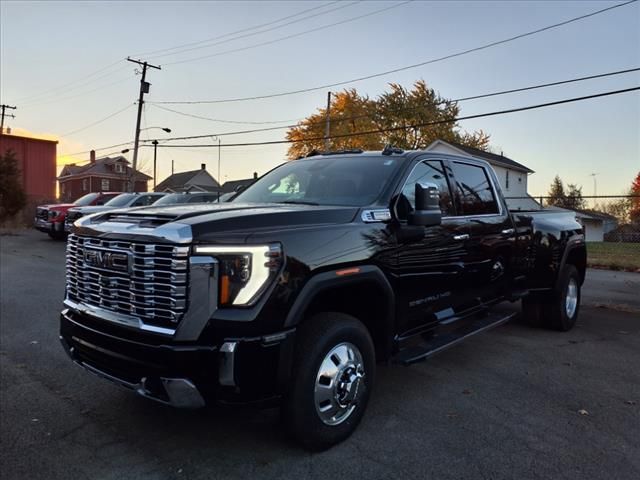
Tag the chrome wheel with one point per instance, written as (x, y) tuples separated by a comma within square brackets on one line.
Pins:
[(571, 300), (339, 384)]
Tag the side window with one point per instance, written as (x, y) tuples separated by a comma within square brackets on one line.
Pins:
[(431, 171), (473, 190), (143, 201)]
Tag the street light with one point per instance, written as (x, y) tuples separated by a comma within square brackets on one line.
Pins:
[(155, 152), (168, 130)]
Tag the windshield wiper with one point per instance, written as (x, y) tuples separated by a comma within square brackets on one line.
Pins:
[(299, 202)]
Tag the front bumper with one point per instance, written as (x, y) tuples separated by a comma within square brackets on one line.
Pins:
[(48, 227), (188, 375)]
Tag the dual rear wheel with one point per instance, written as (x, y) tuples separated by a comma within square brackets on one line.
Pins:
[(557, 309)]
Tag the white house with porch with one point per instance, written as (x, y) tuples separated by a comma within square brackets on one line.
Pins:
[(511, 174)]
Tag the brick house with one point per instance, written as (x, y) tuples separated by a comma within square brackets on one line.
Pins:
[(108, 174)]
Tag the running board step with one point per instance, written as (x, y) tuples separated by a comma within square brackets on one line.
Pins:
[(442, 342)]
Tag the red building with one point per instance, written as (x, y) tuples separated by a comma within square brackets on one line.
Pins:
[(108, 174), (37, 162)]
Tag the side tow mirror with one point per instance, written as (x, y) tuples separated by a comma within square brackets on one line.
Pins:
[(427, 212)]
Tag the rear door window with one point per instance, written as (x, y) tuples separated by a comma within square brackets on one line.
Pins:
[(473, 190)]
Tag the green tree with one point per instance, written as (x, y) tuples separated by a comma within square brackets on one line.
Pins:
[(399, 108), (570, 198), (574, 199), (12, 196), (556, 192)]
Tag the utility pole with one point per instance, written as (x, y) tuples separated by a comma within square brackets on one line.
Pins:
[(219, 184), (3, 107), (144, 88), (595, 188), (328, 127), (155, 158)]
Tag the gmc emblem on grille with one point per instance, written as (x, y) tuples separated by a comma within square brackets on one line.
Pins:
[(109, 260)]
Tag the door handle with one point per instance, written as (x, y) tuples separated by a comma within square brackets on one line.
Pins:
[(508, 231), (464, 236)]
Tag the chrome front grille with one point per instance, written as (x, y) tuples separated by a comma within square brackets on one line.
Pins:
[(42, 213), (147, 281)]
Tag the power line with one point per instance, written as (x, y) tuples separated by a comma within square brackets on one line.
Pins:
[(74, 154), (66, 87), (56, 98), (462, 99), (288, 37), (417, 125), (98, 121), (153, 52), (251, 34), (408, 67), (236, 122)]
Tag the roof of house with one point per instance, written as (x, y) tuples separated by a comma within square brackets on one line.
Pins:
[(178, 181), (97, 168), (596, 214), (586, 214), (232, 185), (488, 156)]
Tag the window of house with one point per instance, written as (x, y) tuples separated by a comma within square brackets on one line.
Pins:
[(425, 172), (62, 188), (119, 168), (85, 185), (473, 190), (104, 184), (506, 184)]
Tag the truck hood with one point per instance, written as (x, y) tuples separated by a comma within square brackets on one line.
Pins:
[(94, 209), (206, 220), (56, 206)]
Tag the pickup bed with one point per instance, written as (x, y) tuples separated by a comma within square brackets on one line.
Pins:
[(297, 288)]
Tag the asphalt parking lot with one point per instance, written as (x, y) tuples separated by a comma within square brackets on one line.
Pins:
[(513, 403)]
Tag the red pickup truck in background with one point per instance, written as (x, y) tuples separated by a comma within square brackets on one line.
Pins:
[(50, 218)]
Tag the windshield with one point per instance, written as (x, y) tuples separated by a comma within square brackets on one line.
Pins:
[(172, 199), (351, 181), (121, 200), (85, 200)]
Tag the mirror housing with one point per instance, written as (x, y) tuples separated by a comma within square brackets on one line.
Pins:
[(427, 212)]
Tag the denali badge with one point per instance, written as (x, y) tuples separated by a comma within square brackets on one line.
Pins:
[(110, 260)]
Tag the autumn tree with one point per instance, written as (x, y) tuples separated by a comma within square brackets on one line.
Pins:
[(393, 118), (634, 212), (12, 196)]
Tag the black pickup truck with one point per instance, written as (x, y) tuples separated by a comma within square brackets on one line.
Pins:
[(297, 288)]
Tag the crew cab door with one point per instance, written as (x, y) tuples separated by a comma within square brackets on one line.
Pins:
[(430, 260), (488, 230)]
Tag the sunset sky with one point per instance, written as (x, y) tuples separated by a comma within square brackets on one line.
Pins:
[(62, 65)]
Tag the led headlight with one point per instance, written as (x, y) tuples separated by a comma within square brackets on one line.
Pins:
[(244, 271)]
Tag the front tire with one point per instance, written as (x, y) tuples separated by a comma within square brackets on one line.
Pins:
[(334, 371)]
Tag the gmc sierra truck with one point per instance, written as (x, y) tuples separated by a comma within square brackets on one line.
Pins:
[(297, 288), (51, 218)]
